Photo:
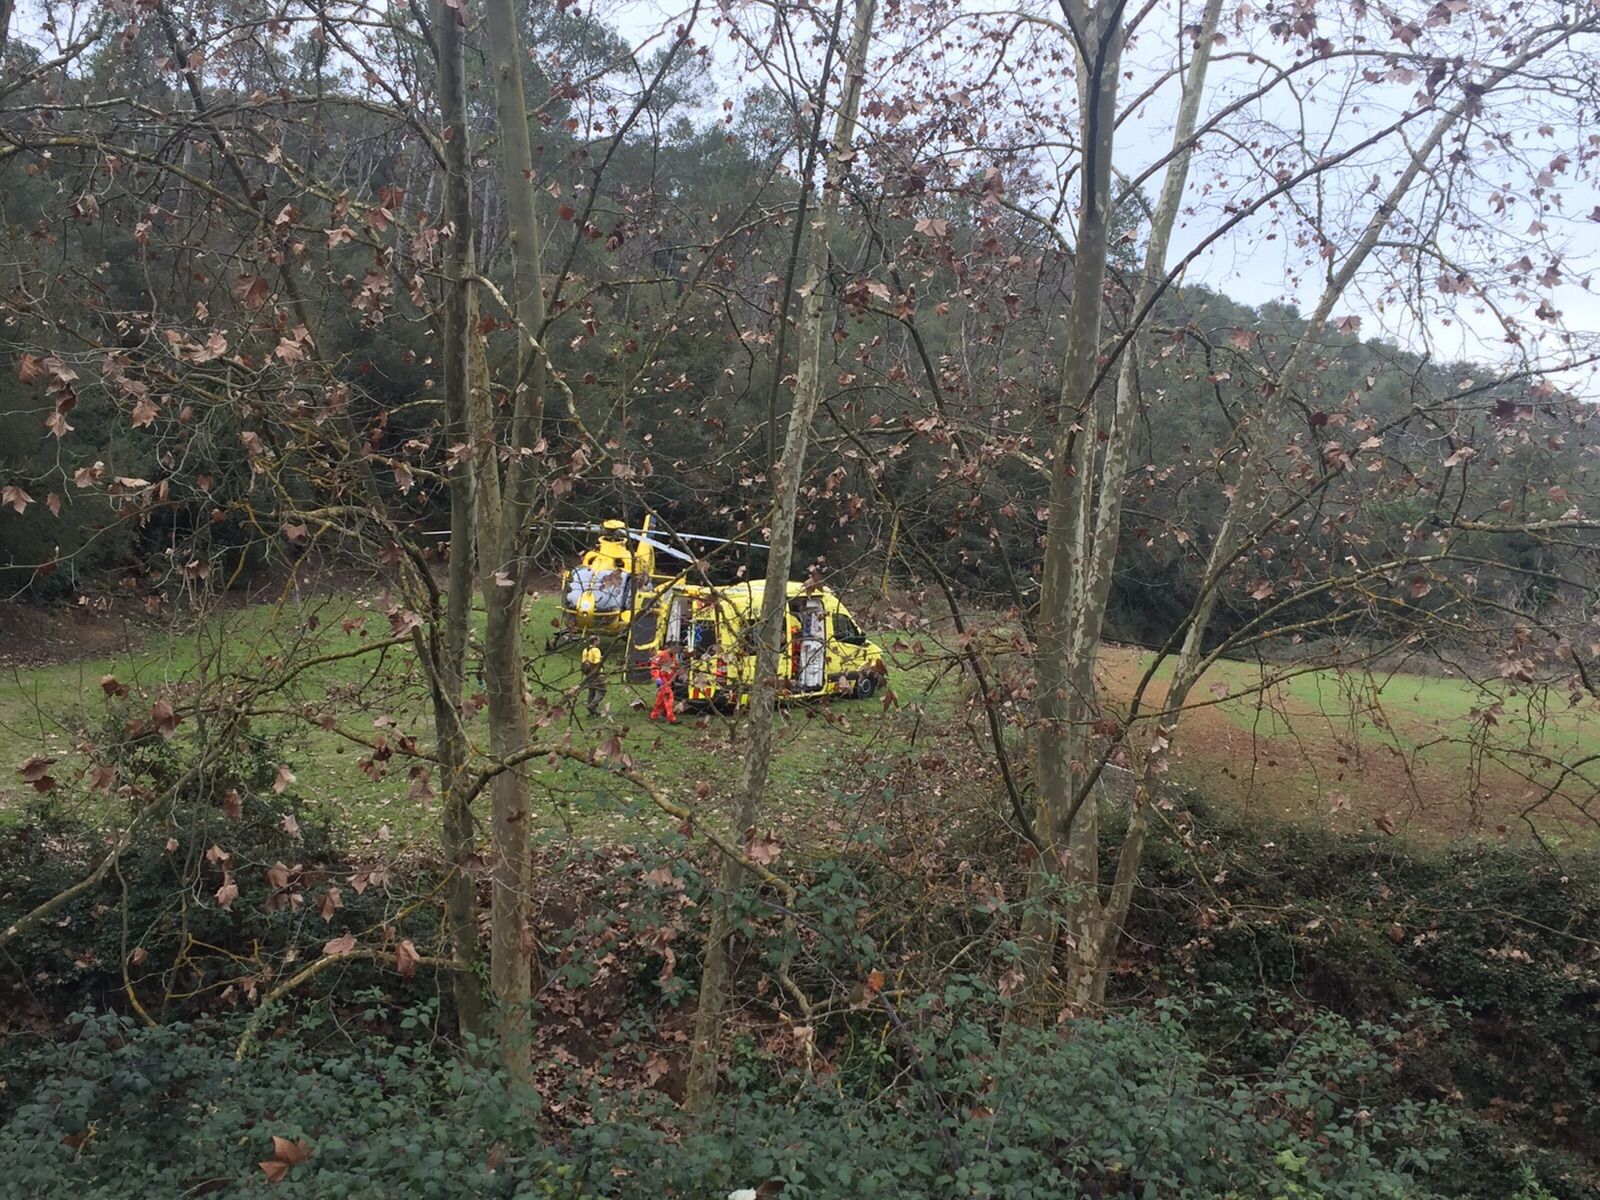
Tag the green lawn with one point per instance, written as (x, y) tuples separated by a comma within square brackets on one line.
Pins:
[(826, 754), (1304, 748), (1449, 752), (1422, 711)]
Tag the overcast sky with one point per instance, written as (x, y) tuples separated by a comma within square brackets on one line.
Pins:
[(1260, 263)]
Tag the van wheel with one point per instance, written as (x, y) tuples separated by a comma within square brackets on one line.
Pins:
[(866, 685)]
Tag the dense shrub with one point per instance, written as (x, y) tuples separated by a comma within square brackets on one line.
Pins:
[(1303, 1016), (1497, 935), (160, 912), (1127, 1106)]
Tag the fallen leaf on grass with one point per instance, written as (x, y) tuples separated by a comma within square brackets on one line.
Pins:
[(761, 850)]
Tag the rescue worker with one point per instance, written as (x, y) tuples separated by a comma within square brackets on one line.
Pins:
[(664, 670), (794, 647), (594, 675), (703, 668)]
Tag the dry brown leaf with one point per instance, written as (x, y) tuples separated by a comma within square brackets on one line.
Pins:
[(343, 944), (164, 719), (329, 902)]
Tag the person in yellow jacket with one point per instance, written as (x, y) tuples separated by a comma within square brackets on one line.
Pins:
[(594, 675)]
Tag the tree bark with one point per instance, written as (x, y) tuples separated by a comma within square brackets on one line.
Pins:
[(510, 966), (1098, 554), (704, 1054), (527, 258), (449, 673), (1063, 878), (505, 508)]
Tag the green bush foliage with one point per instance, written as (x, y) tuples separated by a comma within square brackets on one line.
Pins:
[(162, 912), (1129, 1106), (1498, 937), (1300, 1015)]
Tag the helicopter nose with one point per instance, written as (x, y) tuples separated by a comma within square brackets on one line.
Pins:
[(586, 604)]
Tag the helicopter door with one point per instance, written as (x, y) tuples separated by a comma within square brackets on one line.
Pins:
[(813, 647), (677, 619), (642, 639)]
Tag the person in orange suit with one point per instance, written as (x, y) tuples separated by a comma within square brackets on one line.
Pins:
[(664, 670)]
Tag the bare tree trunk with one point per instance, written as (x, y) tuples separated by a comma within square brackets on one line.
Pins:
[(1097, 557), (510, 946), (701, 1086), (527, 246), (802, 209), (510, 965), (1063, 879), (449, 672), (505, 510)]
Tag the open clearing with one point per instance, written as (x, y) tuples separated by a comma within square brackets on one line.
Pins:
[(1341, 749), (828, 757), (1440, 757)]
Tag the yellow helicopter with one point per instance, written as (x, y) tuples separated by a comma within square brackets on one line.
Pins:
[(714, 630), (618, 573)]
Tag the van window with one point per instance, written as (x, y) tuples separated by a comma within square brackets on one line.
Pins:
[(844, 630)]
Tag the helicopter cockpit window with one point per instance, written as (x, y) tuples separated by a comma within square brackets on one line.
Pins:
[(609, 588)]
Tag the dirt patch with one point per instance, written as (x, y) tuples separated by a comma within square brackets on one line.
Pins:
[(1324, 769), (102, 626), (36, 636)]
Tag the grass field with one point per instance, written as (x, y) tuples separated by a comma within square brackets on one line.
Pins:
[(1341, 749), (1442, 757), (826, 757)]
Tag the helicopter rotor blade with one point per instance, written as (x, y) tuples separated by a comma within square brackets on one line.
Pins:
[(720, 541), (650, 536), (651, 542), (596, 527)]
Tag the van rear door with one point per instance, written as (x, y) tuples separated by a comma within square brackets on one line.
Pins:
[(811, 654)]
